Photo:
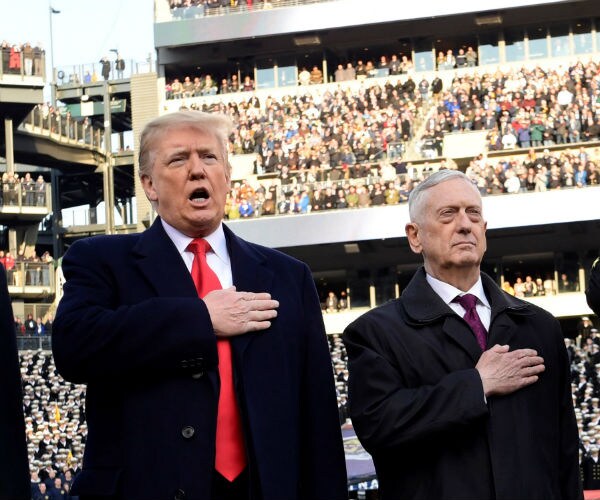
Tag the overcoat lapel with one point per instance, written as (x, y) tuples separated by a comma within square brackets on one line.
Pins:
[(160, 263), (250, 272), (502, 326), (424, 306), (460, 332)]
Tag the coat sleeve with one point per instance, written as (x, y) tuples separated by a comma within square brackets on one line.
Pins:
[(386, 410), (323, 468), (96, 336), (593, 291), (14, 472)]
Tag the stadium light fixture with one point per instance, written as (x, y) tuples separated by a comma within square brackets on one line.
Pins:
[(488, 20), (51, 12), (304, 40), (351, 248)]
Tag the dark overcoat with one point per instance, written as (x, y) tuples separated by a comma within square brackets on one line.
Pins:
[(417, 402), (14, 471), (131, 326)]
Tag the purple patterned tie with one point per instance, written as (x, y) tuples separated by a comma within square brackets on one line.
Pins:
[(469, 301)]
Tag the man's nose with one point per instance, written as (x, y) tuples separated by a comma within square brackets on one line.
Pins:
[(196, 167), (464, 222)]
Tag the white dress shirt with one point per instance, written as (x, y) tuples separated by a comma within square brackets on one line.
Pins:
[(217, 259), (448, 293)]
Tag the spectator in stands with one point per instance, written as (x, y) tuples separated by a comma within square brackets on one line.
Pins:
[(30, 325), (350, 72), (340, 74), (14, 476), (209, 86), (185, 174), (442, 451), (461, 58), (39, 327), (331, 303), (565, 284), (343, 301), (316, 76), (471, 56), (304, 77), (119, 65), (247, 84), (40, 191), (105, 67)]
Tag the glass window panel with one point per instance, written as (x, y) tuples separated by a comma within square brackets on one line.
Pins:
[(538, 45), (424, 60), (559, 40), (286, 76), (515, 46), (583, 43), (265, 78), (489, 53)]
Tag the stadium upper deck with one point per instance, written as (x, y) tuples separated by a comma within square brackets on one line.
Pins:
[(257, 41)]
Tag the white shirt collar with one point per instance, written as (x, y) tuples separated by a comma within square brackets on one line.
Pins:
[(216, 239), (448, 293)]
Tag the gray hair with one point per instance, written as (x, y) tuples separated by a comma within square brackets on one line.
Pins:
[(415, 198), (219, 125)]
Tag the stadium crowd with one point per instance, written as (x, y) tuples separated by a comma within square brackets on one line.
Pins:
[(197, 86), (317, 186), (56, 429), (197, 8), (521, 108)]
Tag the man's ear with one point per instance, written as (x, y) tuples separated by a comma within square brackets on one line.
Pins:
[(412, 233), (148, 186)]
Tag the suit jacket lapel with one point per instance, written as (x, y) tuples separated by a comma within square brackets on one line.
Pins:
[(250, 274)]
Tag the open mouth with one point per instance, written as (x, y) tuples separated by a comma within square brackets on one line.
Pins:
[(199, 195)]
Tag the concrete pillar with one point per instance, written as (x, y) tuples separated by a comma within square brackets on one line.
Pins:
[(10, 148), (372, 296), (108, 179)]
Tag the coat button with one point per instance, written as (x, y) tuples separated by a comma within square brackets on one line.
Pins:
[(188, 432), (179, 495)]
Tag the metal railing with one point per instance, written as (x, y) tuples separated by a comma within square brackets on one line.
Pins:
[(16, 196), (92, 72), (63, 128), (31, 277), (34, 343)]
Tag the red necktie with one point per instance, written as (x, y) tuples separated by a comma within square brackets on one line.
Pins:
[(469, 303), (230, 459)]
